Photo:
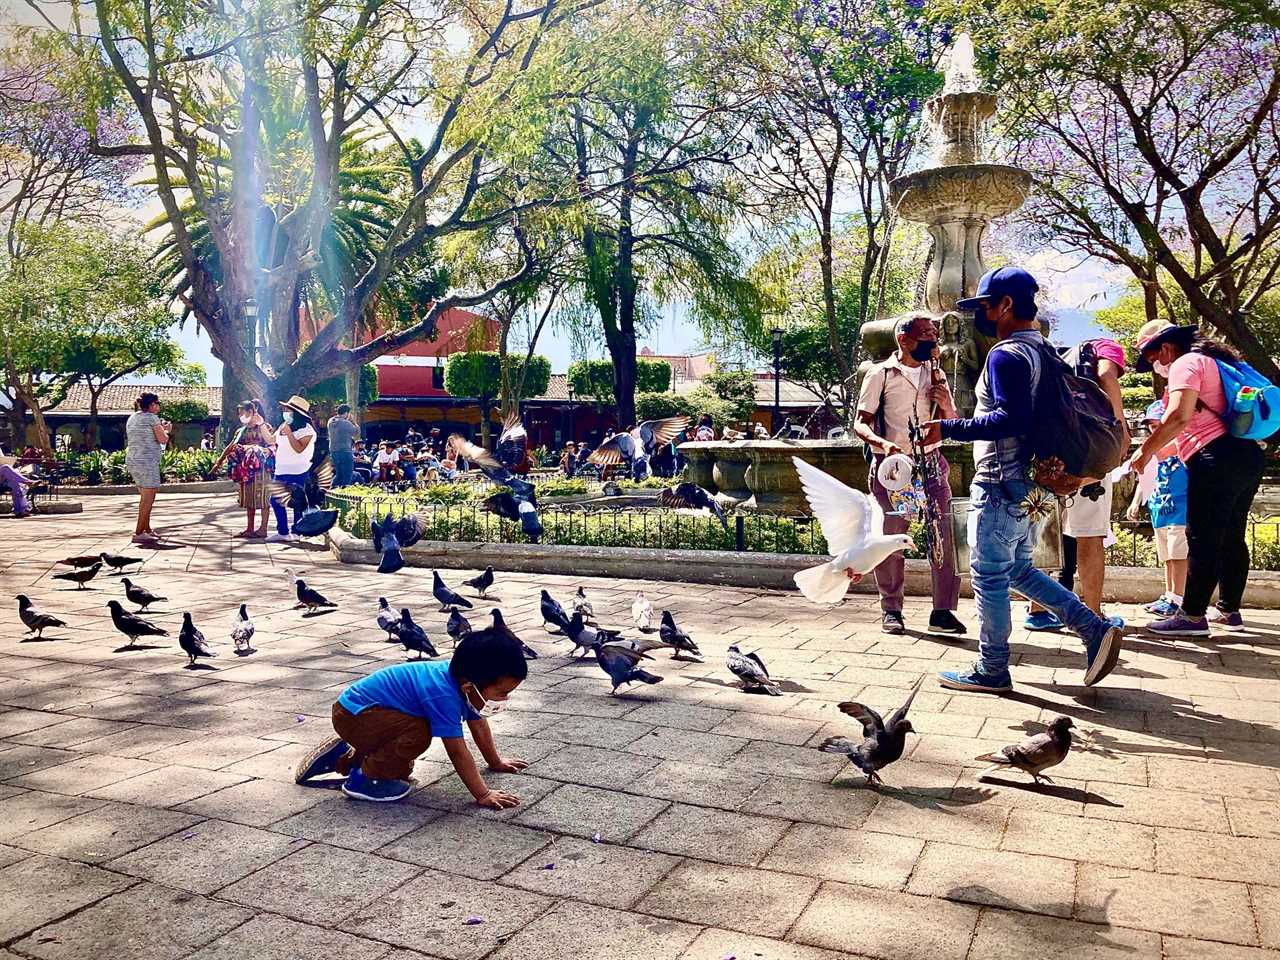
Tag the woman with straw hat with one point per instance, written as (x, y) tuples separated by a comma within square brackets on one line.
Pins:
[(1223, 473), (295, 447)]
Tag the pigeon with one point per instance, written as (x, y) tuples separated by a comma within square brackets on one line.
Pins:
[(308, 499), (583, 606), (481, 583), (693, 497), (192, 641), (37, 621), (132, 625), (79, 562), (139, 595), (513, 507), (118, 561), (80, 577), (457, 627), (413, 637), (446, 597), (638, 644), (620, 663), (853, 524), (1034, 754), (673, 636), (500, 625), (306, 596), (553, 614), (636, 446), (243, 631), (642, 613), (751, 671), (387, 618), (390, 536), (882, 741), (511, 441), (584, 635)]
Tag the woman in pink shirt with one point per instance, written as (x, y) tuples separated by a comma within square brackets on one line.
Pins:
[(1223, 473)]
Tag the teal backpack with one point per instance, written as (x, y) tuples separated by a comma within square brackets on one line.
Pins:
[(1253, 401)]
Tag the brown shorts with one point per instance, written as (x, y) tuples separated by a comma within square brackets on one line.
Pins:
[(384, 742)]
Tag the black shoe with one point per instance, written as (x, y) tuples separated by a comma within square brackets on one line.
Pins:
[(892, 622), (944, 621)]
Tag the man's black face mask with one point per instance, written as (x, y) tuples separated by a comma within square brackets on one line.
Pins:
[(923, 350), (982, 323)]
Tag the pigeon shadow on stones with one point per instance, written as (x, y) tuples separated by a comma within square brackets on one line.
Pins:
[(980, 894), (130, 647), (1059, 791), (319, 613), (938, 799), (41, 639), (245, 651), (199, 666)]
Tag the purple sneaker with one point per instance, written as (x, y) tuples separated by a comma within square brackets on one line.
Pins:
[(1180, 625), (1227, 621)]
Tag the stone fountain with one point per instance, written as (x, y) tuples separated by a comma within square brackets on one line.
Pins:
[(957, 197)]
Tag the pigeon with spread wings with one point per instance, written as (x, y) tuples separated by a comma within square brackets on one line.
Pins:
[(306, 500), (853, 525), (882, 740), (510, 447), (690, 496), (635, 446), (392, 535)]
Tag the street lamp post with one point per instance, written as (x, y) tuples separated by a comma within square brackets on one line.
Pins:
[(777, 379), (570, 437)]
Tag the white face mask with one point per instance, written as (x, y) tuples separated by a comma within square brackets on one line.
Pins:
[(486, 709), (244, 418), (288, 417), (1160, 368)]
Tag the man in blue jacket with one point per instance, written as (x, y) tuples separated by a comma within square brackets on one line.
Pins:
[(1000, 523)]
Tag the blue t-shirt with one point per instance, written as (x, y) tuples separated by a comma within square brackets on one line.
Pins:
[(424, 689), (1168, 503)]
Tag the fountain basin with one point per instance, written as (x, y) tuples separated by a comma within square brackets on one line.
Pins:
[(758, 475), (960, 192)]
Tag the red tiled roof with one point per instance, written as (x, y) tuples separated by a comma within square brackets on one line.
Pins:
[(119, 397)]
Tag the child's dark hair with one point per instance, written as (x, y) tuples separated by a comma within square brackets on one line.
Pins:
[(485, 656)]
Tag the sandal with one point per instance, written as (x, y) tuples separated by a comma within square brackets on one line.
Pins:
[(243, 534)]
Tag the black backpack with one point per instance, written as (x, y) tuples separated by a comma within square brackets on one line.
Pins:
[(1077, 438)]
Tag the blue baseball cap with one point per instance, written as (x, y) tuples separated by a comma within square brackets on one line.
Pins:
[(1004, 282), (1154, 412)]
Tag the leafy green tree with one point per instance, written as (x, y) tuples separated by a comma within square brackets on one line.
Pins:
[(737, 388), (597, 379), (478, 373), (327, 394), (184, 411)]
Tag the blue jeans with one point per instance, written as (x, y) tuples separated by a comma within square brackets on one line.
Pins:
[(344, 466), (1000, 560), (282, 518)]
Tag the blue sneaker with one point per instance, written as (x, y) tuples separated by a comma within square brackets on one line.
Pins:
[(360, 787), (1180, 625), (1042, 620), (323, 759), (1164, 607), (1117, 622), (1102, 654), (975, 681)]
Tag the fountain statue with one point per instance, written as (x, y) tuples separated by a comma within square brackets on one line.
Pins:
[(957, 197)]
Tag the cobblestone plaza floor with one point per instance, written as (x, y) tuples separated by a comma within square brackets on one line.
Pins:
[(148, 811)]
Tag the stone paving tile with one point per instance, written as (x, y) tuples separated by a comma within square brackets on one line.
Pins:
[(836, 806), (65, 736), (593, 767), (1170, 808), (256, 803), (849, 856), (108, 831), (1205, 909), (973, 824), (1248, 818), (754, 901), (268, 937), (711, 786), (1247, 859), (784, 760), (18, 760), (33, 810), (687, 745), (211, 753), (595, 731), (680, 716), (892, 926), (39, 889), (84, 774), (167, 786), (145, 922), (430, 914), (715, 944), (1017, 881), (1024, 936), (319, 884), (1116, 844), (716, 835), (448, 792), (1266, 904), (1181, 948), (355, 826), (586, 811), (205, 858), (470, 846), (602, 873), (581, 932)]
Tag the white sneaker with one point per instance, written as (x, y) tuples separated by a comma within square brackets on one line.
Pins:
[(279, 537)]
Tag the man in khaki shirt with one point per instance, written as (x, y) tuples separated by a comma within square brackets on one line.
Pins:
[(910, 382)]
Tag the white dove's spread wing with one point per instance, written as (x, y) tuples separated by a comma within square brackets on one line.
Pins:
[(845, 513)]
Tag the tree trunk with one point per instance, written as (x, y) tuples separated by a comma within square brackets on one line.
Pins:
[(43, 438), (352, 380), (486, 407), (91, 429)]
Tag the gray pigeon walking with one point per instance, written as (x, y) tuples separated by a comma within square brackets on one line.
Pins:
[(553, 614), (192, 641), (676, 638), (243, 631), (140, 595), (37, 621), (882, 741), (585, 636), (457, 627), (620, 663), (500, 625), (413, 637), (482, 583), (80, 577), (132, 625), (751, 672), (118, 562), (446, 597), (311, 599), (387, 618), (1034, 754)]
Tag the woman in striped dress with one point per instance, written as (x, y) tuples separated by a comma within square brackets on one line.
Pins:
[(146, 437)]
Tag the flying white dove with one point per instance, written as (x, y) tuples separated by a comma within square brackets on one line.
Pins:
[(642, 612), (853, 524)]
